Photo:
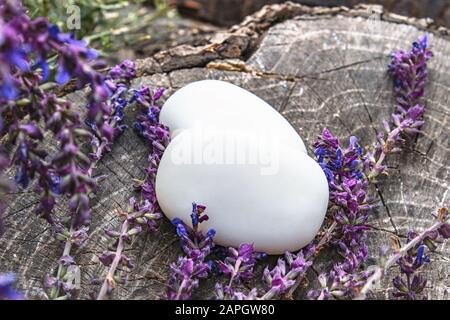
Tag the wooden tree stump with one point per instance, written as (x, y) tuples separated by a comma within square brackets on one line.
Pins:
[(319, 67)]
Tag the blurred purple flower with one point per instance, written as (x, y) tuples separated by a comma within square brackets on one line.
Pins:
[(126, 70), (7, 291)]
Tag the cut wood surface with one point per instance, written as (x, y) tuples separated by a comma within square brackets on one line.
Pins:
[(319, 67)]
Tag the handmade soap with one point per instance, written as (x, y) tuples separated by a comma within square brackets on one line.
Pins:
[(218, 104), (266, 193)]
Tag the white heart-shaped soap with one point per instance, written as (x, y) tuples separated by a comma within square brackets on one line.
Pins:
[(219, 104), (255, 189)]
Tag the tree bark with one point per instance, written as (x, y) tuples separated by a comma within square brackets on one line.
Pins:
[(319, 67)]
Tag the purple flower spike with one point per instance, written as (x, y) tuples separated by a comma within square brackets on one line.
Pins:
[(141, 214), (36, 58), (237, 266), (351, 173), (7, 292), (125, 70), (186, 272)]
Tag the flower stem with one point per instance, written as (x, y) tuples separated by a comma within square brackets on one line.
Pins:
[(109, 280), (66, 252), (235, 271), (98, 154), (181, 288), (68, 244), (380, 271)]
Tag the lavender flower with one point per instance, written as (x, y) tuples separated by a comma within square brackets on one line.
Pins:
[(349, 205), (413, 286), (237, 266), (26, 66), (409, 71), (350, 202), (239, 263), (7, 292), (60, 286), (410, 258), (35, 60), (283, 275), (141, 214), (282, 279), (26, 57), (351, 173), (186, 272), (338, 284), (155, 134), (410, 284), (125, 70)]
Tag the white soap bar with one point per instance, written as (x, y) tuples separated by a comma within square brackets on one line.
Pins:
[(275, 196), (219, 104)]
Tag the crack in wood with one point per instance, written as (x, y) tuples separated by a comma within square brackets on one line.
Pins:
[(388, 211), (240, 66)]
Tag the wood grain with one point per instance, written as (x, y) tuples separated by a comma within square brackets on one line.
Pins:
[(321, 67)]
